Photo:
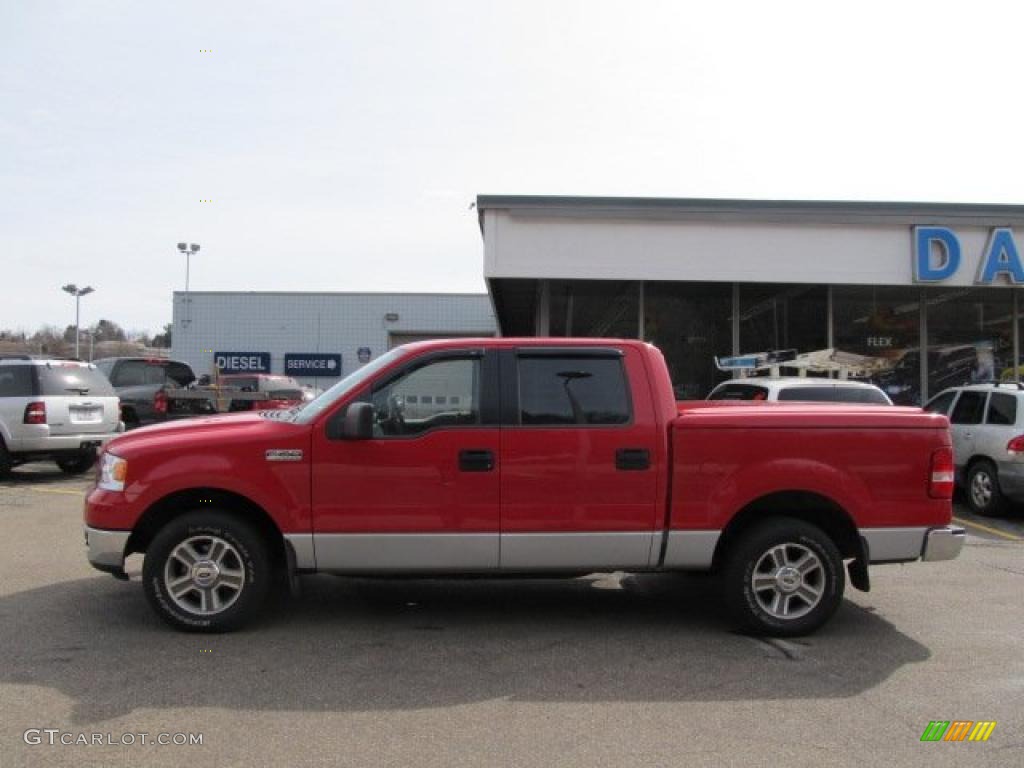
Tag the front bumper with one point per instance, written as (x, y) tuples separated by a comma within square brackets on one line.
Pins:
[(106, 548), (943, 543)]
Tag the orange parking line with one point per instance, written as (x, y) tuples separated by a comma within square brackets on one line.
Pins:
[(987, 529)]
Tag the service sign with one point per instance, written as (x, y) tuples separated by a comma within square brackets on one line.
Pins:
[(242, 362), (312, 364), (938, 256)]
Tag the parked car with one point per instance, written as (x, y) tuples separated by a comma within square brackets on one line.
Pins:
[(800, 388), (987, 426), (532, 456), (281, 391), (143, 384), (50, 409)]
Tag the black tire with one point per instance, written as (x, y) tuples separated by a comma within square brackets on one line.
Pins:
[(77, 464), (6, 462), (247, 553), (785, 591), (984, 496)]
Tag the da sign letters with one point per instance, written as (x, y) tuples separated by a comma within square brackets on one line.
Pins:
[(938, 256)]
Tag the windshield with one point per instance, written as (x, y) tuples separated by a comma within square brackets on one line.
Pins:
[(354, 380)]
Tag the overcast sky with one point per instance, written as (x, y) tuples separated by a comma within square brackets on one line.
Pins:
[(341, 143)]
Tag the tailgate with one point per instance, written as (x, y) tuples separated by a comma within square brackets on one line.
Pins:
[(82, 415), (79, 399)]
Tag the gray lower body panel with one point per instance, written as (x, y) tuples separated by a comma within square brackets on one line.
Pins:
[(576, 551), (302, 546), (405, 552), (691, 550)]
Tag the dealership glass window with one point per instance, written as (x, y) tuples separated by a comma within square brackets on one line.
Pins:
[(879, 327), (783, 317), (970, 335), (692, 324), (603, 308)]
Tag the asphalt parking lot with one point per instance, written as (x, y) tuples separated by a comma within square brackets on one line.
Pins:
[(610, 670)]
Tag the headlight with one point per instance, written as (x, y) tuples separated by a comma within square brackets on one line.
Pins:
[(113, 471)]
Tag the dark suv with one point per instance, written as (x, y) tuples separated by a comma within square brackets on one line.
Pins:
[(142, 384)]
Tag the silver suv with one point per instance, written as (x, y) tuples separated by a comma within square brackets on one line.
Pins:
[(800, 389), (62, 410), (987, 426)]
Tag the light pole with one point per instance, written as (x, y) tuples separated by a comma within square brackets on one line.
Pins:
[(188, 249), (78, 293)]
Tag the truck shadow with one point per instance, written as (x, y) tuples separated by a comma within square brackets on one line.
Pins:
[(364, 645)]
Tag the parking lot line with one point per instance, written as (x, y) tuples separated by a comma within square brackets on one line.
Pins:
[(53, 490), (987, 529)]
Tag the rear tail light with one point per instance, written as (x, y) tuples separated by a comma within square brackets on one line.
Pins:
[(35, 413), (1015, 446), (160, 402), (940, 479)]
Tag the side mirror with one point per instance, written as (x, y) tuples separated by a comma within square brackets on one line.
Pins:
[(357, 423)]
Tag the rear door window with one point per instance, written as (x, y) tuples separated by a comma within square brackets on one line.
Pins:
[(16, 381), (941, 403), (1002, 409), (739, 392), (572, 390), (70, 380), (969, 408)]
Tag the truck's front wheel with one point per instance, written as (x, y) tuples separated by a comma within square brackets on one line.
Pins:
[(784, 577), (206, 572)]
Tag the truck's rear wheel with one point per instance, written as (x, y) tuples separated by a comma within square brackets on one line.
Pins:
[(784, 577), (206, 572)]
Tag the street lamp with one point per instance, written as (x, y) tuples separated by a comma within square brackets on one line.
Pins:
[(188, 249), (78, 293)]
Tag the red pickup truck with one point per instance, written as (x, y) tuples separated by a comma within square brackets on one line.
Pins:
[(525, 456)]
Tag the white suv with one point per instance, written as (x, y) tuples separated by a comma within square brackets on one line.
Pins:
[(800, 389), (62, 410), (986, 422)]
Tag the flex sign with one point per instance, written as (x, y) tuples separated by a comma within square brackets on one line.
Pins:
[(938, 256), (312, 364), (242, 362)]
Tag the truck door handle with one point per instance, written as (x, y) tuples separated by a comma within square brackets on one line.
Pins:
[(476, 460), (632, 459)]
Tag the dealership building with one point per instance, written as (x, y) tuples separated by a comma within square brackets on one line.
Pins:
[(707, 278), (316, 337)]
